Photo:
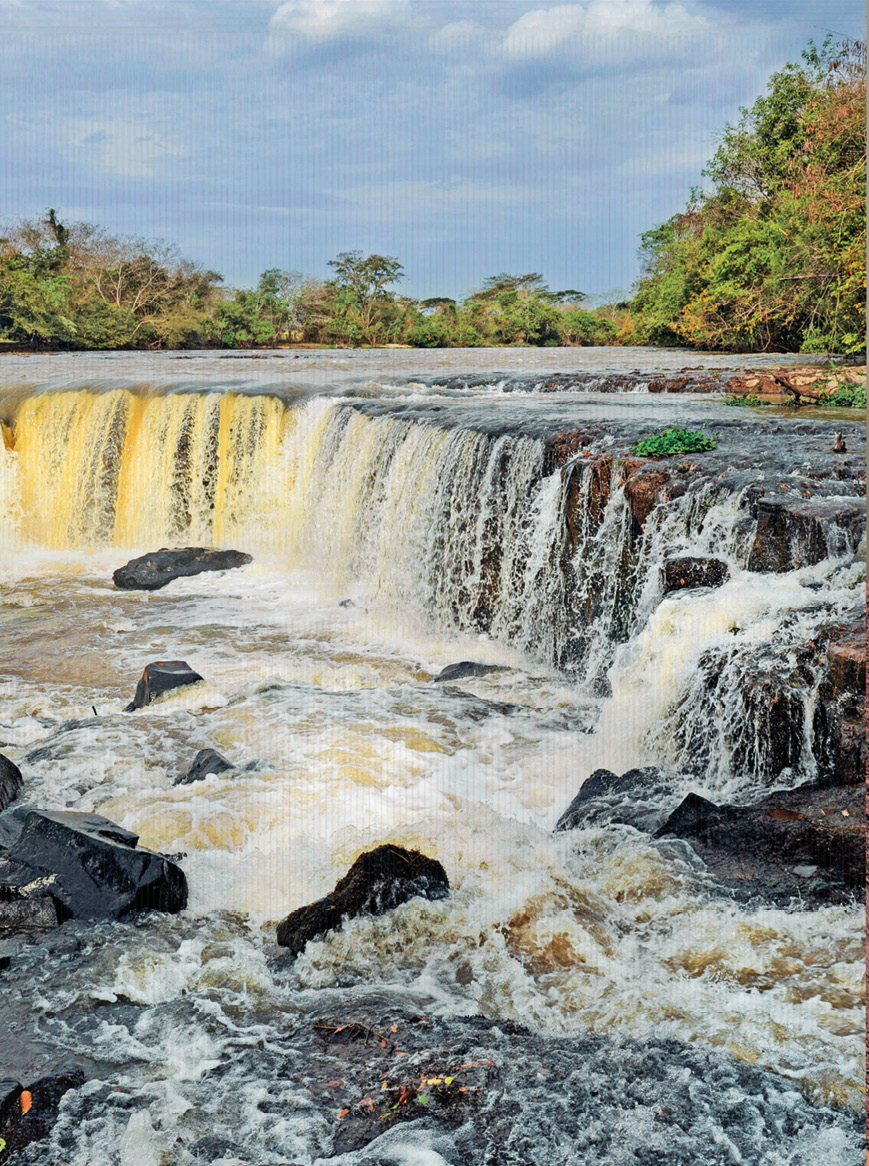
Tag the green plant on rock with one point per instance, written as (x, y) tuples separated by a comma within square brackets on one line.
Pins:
[(675, 439), (751, 399)]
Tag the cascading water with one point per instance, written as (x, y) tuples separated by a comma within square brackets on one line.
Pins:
[(387, 545)]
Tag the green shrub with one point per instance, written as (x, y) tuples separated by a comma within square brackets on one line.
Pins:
[(745, 399), (675, 439)]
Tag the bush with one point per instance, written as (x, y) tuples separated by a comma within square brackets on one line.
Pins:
[(675, 439)]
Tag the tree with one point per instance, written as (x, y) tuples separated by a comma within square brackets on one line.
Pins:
[(361, 296)]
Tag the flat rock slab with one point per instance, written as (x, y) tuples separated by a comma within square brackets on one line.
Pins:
[(96, 867), (152, 571), (10, 782), (378, 880), (159, 678)]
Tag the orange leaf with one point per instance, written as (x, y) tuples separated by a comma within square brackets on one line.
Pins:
[(26, 1100)]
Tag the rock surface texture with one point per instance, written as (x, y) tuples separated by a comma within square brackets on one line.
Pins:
[(152, 571), (378, 880)]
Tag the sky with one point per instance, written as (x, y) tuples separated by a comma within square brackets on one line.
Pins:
[(465, 137)]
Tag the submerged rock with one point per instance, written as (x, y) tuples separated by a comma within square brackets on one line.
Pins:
[(465, 669), (687, 571), (10, 781), (90, 866), (161, 677), (378, 880), (206, 761), (760, 848), (152, 571)]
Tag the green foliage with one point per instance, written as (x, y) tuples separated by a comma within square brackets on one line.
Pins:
[(747, 399), (847, 397), (773, 257), (675, 439)]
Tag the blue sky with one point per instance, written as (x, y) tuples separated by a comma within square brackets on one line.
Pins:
[(466, 137)]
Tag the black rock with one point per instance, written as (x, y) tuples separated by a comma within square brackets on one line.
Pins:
[(17, 1128), (10, 1091), (160, 677), (687, 571), (155, 570), (206, 761), (10, 782), (378, 880), (99, 872), (465, 669)]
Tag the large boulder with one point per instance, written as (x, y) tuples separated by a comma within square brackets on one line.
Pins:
[(378, 880), (159, 678), (96, 868), (808, 841), (206, 761), (152, 571), (682, 572), (10, 782)]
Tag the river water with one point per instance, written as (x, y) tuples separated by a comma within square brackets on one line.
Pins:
[(401, 519)]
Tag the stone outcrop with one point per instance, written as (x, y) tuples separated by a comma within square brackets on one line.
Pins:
[(152, 571), (159, 678), (81, 866), (637, 798), (792, 533), (10, 782), (808, 841), (378, 881)]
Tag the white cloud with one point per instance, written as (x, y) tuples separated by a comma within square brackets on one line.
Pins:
[(326, 19), (610, 23)]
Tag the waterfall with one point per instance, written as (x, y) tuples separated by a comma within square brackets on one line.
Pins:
[(456, 527)]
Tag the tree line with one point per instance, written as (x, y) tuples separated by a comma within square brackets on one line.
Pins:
[(771, 258)]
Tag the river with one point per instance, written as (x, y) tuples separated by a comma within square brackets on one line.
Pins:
[(404, 512)]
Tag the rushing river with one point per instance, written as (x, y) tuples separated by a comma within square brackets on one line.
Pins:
[(400, 520)]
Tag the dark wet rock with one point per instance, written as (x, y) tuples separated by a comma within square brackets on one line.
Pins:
[(95, 868), (155, 570), (206, 761), (840, 710), (485, 1091), (28, 1114), (10, 782), (756, 848), (464, 670), (161, 677), (799, 533), (639, 798), (686, 571), (378, 880)]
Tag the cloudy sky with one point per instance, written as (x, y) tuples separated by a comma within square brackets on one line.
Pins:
[(466, 137)]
